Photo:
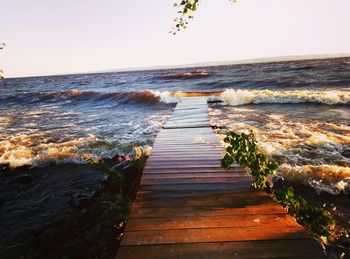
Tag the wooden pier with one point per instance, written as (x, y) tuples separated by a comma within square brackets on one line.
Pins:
[(187, 206)]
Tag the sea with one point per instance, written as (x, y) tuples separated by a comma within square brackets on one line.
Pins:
[(52, 127)]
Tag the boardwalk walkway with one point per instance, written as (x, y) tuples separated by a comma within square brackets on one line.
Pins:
[(189, 207)]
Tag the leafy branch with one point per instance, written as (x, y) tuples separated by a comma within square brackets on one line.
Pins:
[(242, 148), (185, 11), (185, 8)]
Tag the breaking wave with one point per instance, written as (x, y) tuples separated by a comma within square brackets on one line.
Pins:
[(144, 97), (311, 143), (237, 97), (332, 179)]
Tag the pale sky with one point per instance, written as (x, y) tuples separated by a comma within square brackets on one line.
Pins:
[(69, 36)]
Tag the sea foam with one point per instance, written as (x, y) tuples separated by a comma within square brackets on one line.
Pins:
[(237, 97)]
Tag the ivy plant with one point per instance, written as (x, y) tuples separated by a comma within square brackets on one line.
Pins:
[(242, 148)]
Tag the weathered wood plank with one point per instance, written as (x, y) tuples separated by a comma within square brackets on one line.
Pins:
[(193, 170), (209, 211), (227, 250), (194, 180), (176, 194), (177, 175), (239, 185), (183, 163), (225, 201), (201, 235), (231, 221)]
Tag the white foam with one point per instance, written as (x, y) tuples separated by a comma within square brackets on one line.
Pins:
[(324, 178), (237, 97), (307, 150), (165, 96)]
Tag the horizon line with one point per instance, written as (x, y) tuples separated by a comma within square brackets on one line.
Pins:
[(203, 64)]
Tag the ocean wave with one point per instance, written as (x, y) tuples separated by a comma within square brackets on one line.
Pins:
[(332, 179), (310, 143), (143, 97), (194, 74), (35, 151), (237, 97)]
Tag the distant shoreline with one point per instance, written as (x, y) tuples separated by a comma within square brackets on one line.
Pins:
[(206, 64)]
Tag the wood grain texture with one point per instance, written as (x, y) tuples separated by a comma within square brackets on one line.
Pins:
[(187, 206)]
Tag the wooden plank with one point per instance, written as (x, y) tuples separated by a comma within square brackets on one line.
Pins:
[(176, 175), (177, 194), (192, 170), (190, 120), (241, 185), (196, 146), (183, 162), (199, 150), (193, 180), (193, 149), (225, 201), (189, 117), (165, 132), (177, 212), (166, 168), (181, 156), (202, 142), (192, 126), (227, 250), (170, 150), (185, 159), (200, 235), (231, 221)]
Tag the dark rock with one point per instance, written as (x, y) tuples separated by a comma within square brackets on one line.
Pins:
[(93, 234), (108, 215), (74, 249), (12, 251), (21, 179), (49, 235)]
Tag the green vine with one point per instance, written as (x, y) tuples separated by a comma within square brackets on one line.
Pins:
[(316, 219), (242, 148)]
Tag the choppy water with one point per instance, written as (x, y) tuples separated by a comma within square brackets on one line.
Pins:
[(300, 112)]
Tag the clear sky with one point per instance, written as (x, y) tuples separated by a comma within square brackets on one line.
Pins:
[(68, 36)]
